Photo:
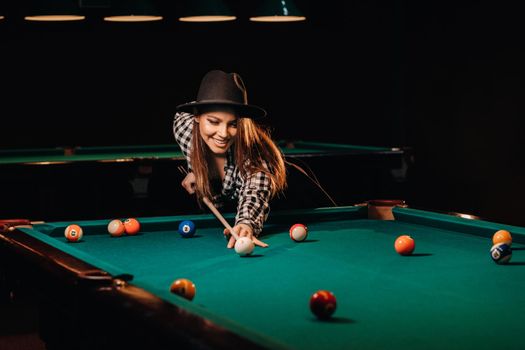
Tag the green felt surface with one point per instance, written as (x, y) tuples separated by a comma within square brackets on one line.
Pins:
[(448, 295), (171, 151)]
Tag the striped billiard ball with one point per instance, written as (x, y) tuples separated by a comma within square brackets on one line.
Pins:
[(501, 253)]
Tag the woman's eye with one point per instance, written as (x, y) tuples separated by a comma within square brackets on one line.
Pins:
[(213, 122)]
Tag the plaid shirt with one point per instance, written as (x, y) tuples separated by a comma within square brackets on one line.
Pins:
[(252, 191)]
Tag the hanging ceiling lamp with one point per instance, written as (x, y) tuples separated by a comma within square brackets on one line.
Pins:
[(133, 11), (54, 11), (278, 11), (206, 11)]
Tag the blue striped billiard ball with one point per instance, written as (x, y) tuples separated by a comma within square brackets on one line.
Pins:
[(187, 228), (501, 253)]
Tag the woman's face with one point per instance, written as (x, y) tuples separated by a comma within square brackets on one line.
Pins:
[(218, 130)]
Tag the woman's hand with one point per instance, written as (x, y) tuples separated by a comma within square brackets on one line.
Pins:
[(242, 230), (189, 183)]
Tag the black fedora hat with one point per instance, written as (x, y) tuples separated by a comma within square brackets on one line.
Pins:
[(226, 90)]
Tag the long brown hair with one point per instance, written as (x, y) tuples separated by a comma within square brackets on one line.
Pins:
[(255, 151)]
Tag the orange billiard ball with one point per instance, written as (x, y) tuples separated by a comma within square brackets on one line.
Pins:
[(131, 226), (116, 228), (404, 245), (184, 288), (73, 233), (502, 236)]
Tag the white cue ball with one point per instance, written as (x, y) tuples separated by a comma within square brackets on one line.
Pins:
[(244, 246)]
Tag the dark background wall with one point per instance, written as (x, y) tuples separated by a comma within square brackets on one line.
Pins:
[(442, 78)]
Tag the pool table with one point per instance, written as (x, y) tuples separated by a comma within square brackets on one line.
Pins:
[(110, 291), (119, 154), (145, 181)]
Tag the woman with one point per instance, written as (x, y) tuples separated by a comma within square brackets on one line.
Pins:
[(230, 157)]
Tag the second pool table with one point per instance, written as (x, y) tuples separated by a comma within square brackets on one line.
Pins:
[(143, 180)]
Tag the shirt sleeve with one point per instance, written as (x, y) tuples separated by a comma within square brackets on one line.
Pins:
[(182, 129), (254, 207)]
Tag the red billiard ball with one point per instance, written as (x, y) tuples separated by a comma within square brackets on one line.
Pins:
[(116, 228), (298, 232), (184, 288), (73, 233), (131, 226), (404, 245), (323, 304)]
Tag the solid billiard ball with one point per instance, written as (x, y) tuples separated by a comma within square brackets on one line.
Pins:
[(323, 304), (404, 245), (501, 253), (502, 236), (298, 232), (184, 288), (244, 246), (116, 228), (131, 226), (187, 228), (73, 233)]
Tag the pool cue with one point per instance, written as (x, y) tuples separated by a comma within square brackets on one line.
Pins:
[(219, 216), (214, 210)]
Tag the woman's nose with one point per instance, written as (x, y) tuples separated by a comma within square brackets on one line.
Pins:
[(223, 131)]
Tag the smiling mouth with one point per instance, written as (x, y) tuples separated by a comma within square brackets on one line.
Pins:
[(220, 143)]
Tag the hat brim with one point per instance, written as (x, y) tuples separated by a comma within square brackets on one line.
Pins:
[(242, 110)]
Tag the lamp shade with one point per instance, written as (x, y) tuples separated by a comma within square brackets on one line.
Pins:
[(277, 11), (53, 11), (133, 11), (206, 11)]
